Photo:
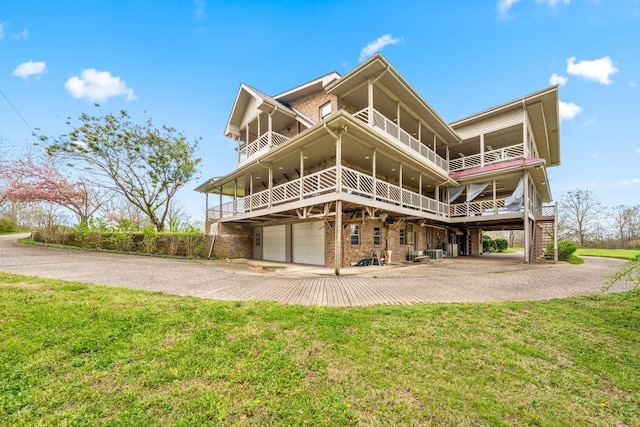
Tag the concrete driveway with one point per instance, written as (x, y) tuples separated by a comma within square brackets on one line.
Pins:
[(462, 279)]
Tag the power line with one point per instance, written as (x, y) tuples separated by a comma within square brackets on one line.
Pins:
[(16, 110)]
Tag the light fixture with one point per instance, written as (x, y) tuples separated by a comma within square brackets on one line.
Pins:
[(305, 157), (257, 177), (460, 154), (366, 157), (393, 169), (280, 167), (413, 177)]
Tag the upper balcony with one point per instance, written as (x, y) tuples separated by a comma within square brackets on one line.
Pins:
[(487, 158), (259, 146), (378, 121)]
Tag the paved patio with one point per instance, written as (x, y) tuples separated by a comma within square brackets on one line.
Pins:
[(458, 280)]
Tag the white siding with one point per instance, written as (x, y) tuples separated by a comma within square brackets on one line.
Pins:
[(501, 122)]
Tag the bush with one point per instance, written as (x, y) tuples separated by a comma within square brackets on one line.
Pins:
[(501, 244), (488, 244), (566, 249), (8, 225)]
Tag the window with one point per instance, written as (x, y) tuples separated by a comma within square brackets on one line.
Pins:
[(409, 234), (325, 110), (355, 234), (377, 236), (258, 238), (402, 238)]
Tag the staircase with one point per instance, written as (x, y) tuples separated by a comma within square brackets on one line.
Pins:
[(542, 235)]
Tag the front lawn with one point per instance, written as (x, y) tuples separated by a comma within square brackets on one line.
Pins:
[(609, 253), (78, 354)]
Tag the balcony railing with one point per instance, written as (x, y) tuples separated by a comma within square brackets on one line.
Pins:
[(403, 137), (487, 158), (484, 207), (260, 145), (545, 210)]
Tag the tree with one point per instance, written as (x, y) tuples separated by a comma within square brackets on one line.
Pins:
[(144, 164), (25, 181), (580, 210)]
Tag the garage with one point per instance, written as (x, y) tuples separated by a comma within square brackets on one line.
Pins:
[(308, 243), (274, 243)]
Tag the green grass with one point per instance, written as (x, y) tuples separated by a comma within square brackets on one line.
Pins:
[(609, 253), (78, 354)]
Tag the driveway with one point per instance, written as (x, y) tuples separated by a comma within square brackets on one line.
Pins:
[(462, 279)]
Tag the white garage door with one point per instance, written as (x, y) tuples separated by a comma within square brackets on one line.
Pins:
[(274, 247), (308, 243)]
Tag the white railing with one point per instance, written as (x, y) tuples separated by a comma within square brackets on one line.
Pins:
[(402, 136), (545, 210), (484, 207), (260, 145), (313, 185), (490, 157), (361, 184)]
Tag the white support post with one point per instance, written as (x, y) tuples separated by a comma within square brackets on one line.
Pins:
[(373, 169), (339, 163), (301, 175), (495, 199), (220, 205), (270, 186), (250, 192), (400, 181), (481, 150), (370, 101), (555, 234), (270, 137), (235, 197), (420, 188)]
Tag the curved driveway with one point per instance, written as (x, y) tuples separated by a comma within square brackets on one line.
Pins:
[(463, 279)]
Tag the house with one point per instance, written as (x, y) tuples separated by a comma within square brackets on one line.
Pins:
[(343, 167)]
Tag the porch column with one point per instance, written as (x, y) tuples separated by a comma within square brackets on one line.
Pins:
[(527, 225), (420, 188), (525, 146), (495, 201), (220, 205), (338, 238), (259, 129), (270, 136), (370, 101), (270, 186), (482, 150), (235, 197), (301, 174), (250, 191), (339, 163), (400, 180), (206, 207), (373, 169)]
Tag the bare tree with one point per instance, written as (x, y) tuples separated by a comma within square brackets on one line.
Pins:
[(580, 210)]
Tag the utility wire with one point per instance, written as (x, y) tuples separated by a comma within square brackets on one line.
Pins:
[(16, 110)]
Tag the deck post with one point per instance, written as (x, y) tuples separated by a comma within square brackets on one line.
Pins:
[(555, 234), (527, 225), (338, 238), (373, 169), (301, 175), (370, 102), (482, 150)]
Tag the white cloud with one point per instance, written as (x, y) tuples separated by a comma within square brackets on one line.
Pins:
[(631, 181), (24, 34), (598, 70), (553, 3), (98, 86), (558, 80), (568, 110), (504, 6), (633, 83), (200, 6), (377, 45), (589, 122), (27, 69)]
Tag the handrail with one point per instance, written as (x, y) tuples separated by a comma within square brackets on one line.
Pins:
[(260, 144), (379, 121), (490, 157)]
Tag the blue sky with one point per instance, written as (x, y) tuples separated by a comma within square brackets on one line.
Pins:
[(182, 62)]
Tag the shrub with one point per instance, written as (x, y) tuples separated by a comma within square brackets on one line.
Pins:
[(488, 244), (566, 249), (8, 225), (501, 245)]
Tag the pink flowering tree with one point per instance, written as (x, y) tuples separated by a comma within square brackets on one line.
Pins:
[(25, 181)]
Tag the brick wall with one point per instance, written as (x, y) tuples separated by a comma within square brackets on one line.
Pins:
[(310, 105), (234, 240)]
